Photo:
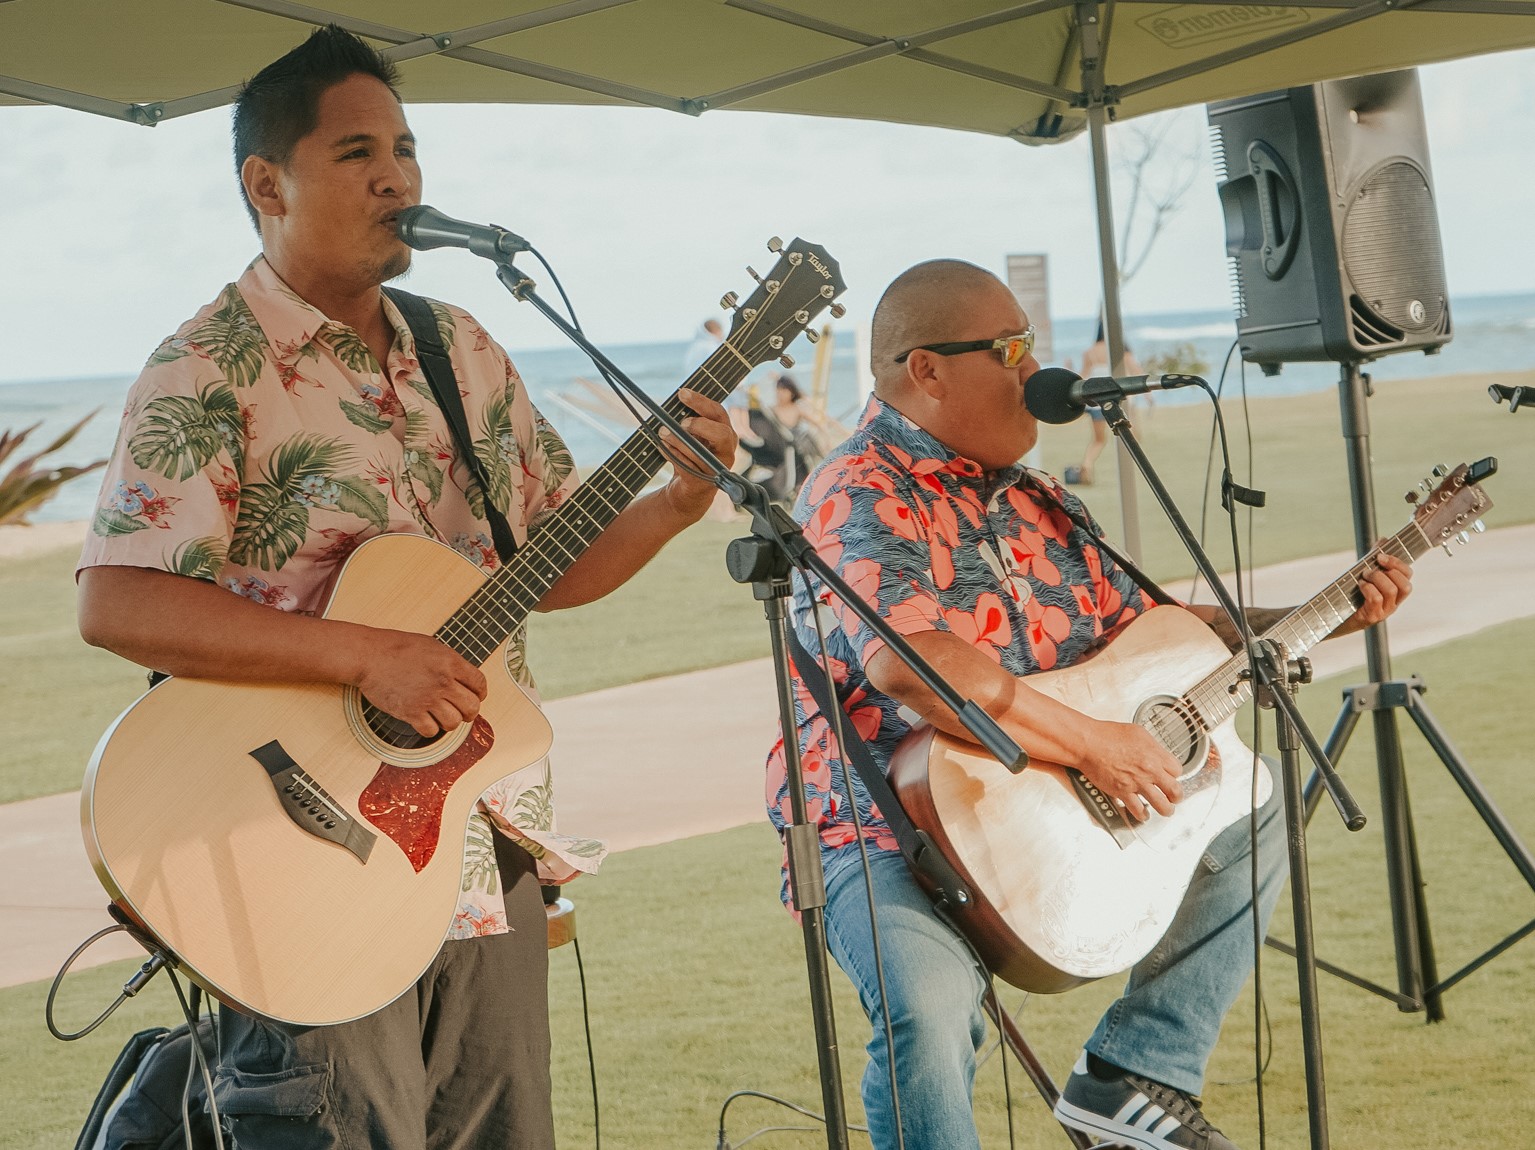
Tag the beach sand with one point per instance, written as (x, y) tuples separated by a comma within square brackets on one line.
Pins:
[(24, 541)]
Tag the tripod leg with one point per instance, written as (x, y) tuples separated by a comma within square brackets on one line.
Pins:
[(1517, 852), (1433, 1003), (1402, 873)]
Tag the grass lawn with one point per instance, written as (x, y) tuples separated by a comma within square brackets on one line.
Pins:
[(1299, 458), (683, 613), (697, 983)]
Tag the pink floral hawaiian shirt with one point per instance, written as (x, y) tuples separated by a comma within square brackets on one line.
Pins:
[(263, 443), (935, 544)]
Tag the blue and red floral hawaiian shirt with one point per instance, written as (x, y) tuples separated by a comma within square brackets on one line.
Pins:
[(935, 544)]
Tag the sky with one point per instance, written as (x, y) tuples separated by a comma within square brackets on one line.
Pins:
[(112, 234)]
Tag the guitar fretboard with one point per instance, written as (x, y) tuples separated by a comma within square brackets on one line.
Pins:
[(1218, 696), (503, 602)]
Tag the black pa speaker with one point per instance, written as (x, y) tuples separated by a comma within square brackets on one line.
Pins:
[(1330, 221)]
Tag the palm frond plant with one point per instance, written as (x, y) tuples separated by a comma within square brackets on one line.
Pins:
[(27, 486)]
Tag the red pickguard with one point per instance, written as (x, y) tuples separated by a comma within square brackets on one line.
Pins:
[(406, 803)]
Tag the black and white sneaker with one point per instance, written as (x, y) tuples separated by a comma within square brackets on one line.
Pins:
[(1135, 1111)]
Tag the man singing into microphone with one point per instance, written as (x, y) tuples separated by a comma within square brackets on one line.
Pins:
[(927, 513), (283, 425)]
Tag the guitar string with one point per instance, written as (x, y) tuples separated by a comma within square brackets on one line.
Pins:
[(466, 630), (1171, 724), (1224, 690), (620, 478), (639, 470), (473, 628)]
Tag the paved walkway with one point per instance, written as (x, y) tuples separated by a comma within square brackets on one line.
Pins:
[(665, 759)]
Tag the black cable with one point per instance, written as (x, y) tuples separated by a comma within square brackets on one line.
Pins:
[(591, 1056), (640, 416), (989, 983), (201, 1059), (148, 970), (726, 1144), (1007, 1081), (1204, 491), (835, 720), (1252, 813)]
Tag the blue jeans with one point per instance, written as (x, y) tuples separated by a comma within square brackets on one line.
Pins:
[(1164, 1026)]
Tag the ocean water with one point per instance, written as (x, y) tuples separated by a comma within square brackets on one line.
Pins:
[(1492, 334)]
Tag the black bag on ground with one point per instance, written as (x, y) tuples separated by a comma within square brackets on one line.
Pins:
[(139, 1105)]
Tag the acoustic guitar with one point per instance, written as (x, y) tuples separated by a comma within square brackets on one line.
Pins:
[(298, 851), (1065, 887)]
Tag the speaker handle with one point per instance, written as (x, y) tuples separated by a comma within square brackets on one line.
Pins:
[(1274, 186)]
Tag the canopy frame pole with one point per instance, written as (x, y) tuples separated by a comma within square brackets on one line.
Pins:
[(1098, 97)]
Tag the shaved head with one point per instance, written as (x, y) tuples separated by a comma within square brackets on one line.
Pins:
[(927, 303)]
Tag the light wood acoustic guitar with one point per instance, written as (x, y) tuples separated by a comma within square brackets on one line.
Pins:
[(296, 850), (1065, 888)]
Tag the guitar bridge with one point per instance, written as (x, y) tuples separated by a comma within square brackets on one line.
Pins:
[(306, 802), (1102, 808)]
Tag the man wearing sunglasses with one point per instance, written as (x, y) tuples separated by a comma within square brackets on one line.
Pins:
[(928, 514)]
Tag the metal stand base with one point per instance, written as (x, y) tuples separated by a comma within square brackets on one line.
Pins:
[(1418, 984), (1422, 988)]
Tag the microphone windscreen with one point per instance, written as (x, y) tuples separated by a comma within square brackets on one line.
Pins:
[(1047, 395)]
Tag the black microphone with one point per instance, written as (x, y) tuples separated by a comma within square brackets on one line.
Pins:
[(1056, 395), (423, 228)]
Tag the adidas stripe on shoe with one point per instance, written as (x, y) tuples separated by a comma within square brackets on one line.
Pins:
[(1135, 1111)]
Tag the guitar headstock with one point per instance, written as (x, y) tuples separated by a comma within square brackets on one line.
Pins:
[(803, 283), (1449, 510)]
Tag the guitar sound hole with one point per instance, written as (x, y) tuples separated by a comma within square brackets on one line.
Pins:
[(1176, 727), (395, 732)]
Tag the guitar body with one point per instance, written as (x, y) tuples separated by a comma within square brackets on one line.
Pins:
[(201, 846), (1058, 900)]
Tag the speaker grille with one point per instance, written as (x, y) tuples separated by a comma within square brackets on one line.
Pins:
[(1391, 254)]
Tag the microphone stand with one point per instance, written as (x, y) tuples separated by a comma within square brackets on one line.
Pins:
[(1273, 683), (777, 545)]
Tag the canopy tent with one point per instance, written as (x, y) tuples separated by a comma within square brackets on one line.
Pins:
[(1037, 72), (976, 65)]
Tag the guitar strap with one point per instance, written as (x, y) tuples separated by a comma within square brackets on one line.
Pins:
[(915, 845), (438, 369), (1147, 584)]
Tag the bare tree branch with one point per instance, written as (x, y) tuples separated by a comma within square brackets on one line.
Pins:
[(1161, 159)]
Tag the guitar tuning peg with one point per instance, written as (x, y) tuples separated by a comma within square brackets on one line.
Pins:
[(1447, 550), (812, 336), (1412, 497), (1440, 471), (729, 300), (775, 245), (1463, 538), (751, 271), (838, 311), (1479, 527), (786, 360)]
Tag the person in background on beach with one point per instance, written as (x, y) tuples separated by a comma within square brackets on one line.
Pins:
[(972, 558), (1095, 361), (791, 445), (279, 428)]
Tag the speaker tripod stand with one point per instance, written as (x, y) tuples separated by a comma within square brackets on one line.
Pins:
[(1419, 986)]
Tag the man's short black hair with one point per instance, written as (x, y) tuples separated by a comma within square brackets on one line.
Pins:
[(280, 105)]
